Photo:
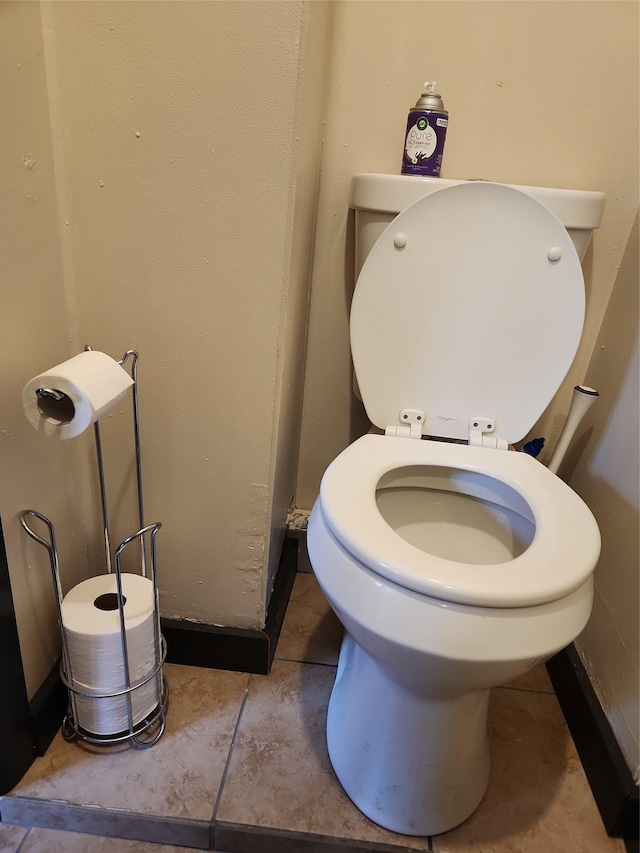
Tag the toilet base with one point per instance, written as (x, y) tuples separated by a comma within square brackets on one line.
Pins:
[(411, 763)]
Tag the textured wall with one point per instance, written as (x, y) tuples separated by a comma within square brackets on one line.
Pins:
[(37, 330), (604, 468), (170, 208), (179, 123)]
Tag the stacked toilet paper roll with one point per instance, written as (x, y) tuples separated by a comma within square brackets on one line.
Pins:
[(91, 621), (64, 401)]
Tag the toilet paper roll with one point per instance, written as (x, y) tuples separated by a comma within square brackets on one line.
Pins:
[(89, 385), (91, 622)]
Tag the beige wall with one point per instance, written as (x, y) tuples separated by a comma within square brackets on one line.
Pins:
[(38, 328), (604, 467), (180, 146), (541, 93), (293, 327)]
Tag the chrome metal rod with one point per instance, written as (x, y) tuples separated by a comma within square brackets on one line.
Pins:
[(153, 529), (157, 629), (103, 497), (136, 437), (123, 644), (52, 549), (103, 490)]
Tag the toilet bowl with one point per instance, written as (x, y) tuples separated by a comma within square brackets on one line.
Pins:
[(454, 562)]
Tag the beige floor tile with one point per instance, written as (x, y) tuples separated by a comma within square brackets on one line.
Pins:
[(538, 799), (311, 631), (54, 841), (280, 775), (536, 679), (179, 777), (10, 837)]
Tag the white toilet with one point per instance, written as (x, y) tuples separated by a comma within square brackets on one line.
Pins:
[(453, 562)]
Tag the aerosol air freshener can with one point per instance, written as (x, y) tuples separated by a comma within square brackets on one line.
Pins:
[(426, 131)]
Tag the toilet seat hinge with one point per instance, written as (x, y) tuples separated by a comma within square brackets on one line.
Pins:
[(410, 424), (480, 430)]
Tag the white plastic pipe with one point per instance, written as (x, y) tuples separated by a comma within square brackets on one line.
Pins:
[(583, 399)]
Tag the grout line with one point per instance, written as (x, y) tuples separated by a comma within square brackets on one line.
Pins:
[(231, 748), (525, 690), (309, 662), (24, 838)]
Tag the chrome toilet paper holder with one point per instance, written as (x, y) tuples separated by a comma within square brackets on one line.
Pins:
[(148, 731)]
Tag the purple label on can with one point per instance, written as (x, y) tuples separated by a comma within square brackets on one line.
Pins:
[(424, 143)]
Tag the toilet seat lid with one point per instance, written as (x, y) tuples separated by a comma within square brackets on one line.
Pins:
[(470, 304)]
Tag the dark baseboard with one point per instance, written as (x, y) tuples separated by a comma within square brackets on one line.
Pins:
[(47, 709), (193, 644), (613, 788), (16, 745)]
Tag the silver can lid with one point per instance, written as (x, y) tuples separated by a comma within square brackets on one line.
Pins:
[(429, 100)]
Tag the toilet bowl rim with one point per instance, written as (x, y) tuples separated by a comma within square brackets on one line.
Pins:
[(390, 612), (562, 555)]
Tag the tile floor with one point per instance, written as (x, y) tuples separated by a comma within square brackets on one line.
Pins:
[(243, 768)]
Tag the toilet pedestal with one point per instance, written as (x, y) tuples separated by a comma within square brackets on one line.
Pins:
[(414, 764)]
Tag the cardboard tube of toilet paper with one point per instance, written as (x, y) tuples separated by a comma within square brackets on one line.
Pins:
[(64, 401)]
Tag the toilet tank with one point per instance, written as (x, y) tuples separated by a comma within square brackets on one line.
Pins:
[(377, 200)]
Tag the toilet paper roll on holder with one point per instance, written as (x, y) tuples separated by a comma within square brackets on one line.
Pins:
[(147, 732)]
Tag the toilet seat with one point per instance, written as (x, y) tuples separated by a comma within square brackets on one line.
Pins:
[(561, 557), (470, 305)]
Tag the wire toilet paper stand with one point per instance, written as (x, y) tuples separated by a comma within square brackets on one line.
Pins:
[(148, 731)]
